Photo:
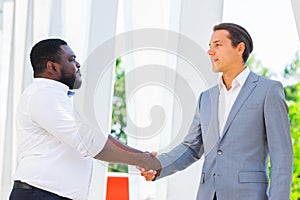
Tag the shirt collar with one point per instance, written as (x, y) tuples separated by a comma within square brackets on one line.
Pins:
[(239, 80), (52, 83)]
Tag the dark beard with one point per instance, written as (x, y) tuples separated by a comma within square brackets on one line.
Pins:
[(72, 82)]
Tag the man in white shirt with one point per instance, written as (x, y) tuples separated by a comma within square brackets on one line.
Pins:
[(54, 151), (238, 125)]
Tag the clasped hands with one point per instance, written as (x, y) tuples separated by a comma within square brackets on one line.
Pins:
[(150, 174)]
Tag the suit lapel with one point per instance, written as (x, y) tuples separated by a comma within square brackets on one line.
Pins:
[(246, 90)]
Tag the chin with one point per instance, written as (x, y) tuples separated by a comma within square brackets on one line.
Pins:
[(215, 69), (77, 85)]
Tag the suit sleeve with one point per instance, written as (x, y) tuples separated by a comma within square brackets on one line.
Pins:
[(187, 152), (279, 142)]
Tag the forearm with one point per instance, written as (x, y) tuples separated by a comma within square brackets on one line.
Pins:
[(176, 160), (280, 184), (115, 151)]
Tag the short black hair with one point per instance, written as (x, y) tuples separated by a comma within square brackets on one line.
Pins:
[(44, 51), (237, 34)]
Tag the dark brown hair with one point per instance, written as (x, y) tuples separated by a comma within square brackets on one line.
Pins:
[(237, 34)]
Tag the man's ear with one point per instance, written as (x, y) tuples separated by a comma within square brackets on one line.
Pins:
[(241, 47), (52, 67)]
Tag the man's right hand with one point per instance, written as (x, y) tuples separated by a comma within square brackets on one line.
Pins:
[(150, 162), (151, 174)]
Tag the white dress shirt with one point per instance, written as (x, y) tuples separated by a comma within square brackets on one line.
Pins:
[(54, 153), (228, 97)]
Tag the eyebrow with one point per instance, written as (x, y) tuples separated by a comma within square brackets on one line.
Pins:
[(214, 42)]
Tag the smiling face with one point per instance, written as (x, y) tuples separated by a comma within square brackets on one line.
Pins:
[(223, 55), (69, 68)]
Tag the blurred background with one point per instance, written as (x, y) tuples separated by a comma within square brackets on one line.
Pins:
[(124, 105)]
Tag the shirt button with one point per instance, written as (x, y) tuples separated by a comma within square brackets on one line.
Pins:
[(219, 152)]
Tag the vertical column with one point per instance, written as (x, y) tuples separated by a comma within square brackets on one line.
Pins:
[(7, 159), (102, 27), (41, 23), (27, 70), (1, 14), (13, 62), (296, 8), (196, 22), (166, 138), (1, 59), (146, 97), (170, 71), (57, 22)]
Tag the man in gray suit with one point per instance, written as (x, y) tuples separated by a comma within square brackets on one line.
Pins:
[(238, 124)]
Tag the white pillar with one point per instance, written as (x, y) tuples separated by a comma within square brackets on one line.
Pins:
[(196, 22), (1, 14), (141, 99), (27, 70), (102, 27), (8, 138), (57, 16), (178, 69), (41, 23), (296, 9), (14, 76)]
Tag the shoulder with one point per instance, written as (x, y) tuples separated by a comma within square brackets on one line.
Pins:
[(209, 91), (268, 88), (207, 96), (263, 82), (45, 96)]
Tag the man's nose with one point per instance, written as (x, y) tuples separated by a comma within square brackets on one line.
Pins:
[(77, 64), (210, 52)]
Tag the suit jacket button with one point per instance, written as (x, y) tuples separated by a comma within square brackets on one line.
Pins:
[(219, 152)]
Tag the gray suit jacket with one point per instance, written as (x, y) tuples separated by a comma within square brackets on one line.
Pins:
[(235, 165)]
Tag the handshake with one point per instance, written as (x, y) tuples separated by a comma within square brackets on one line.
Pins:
[(117, 152), (151, 170)]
